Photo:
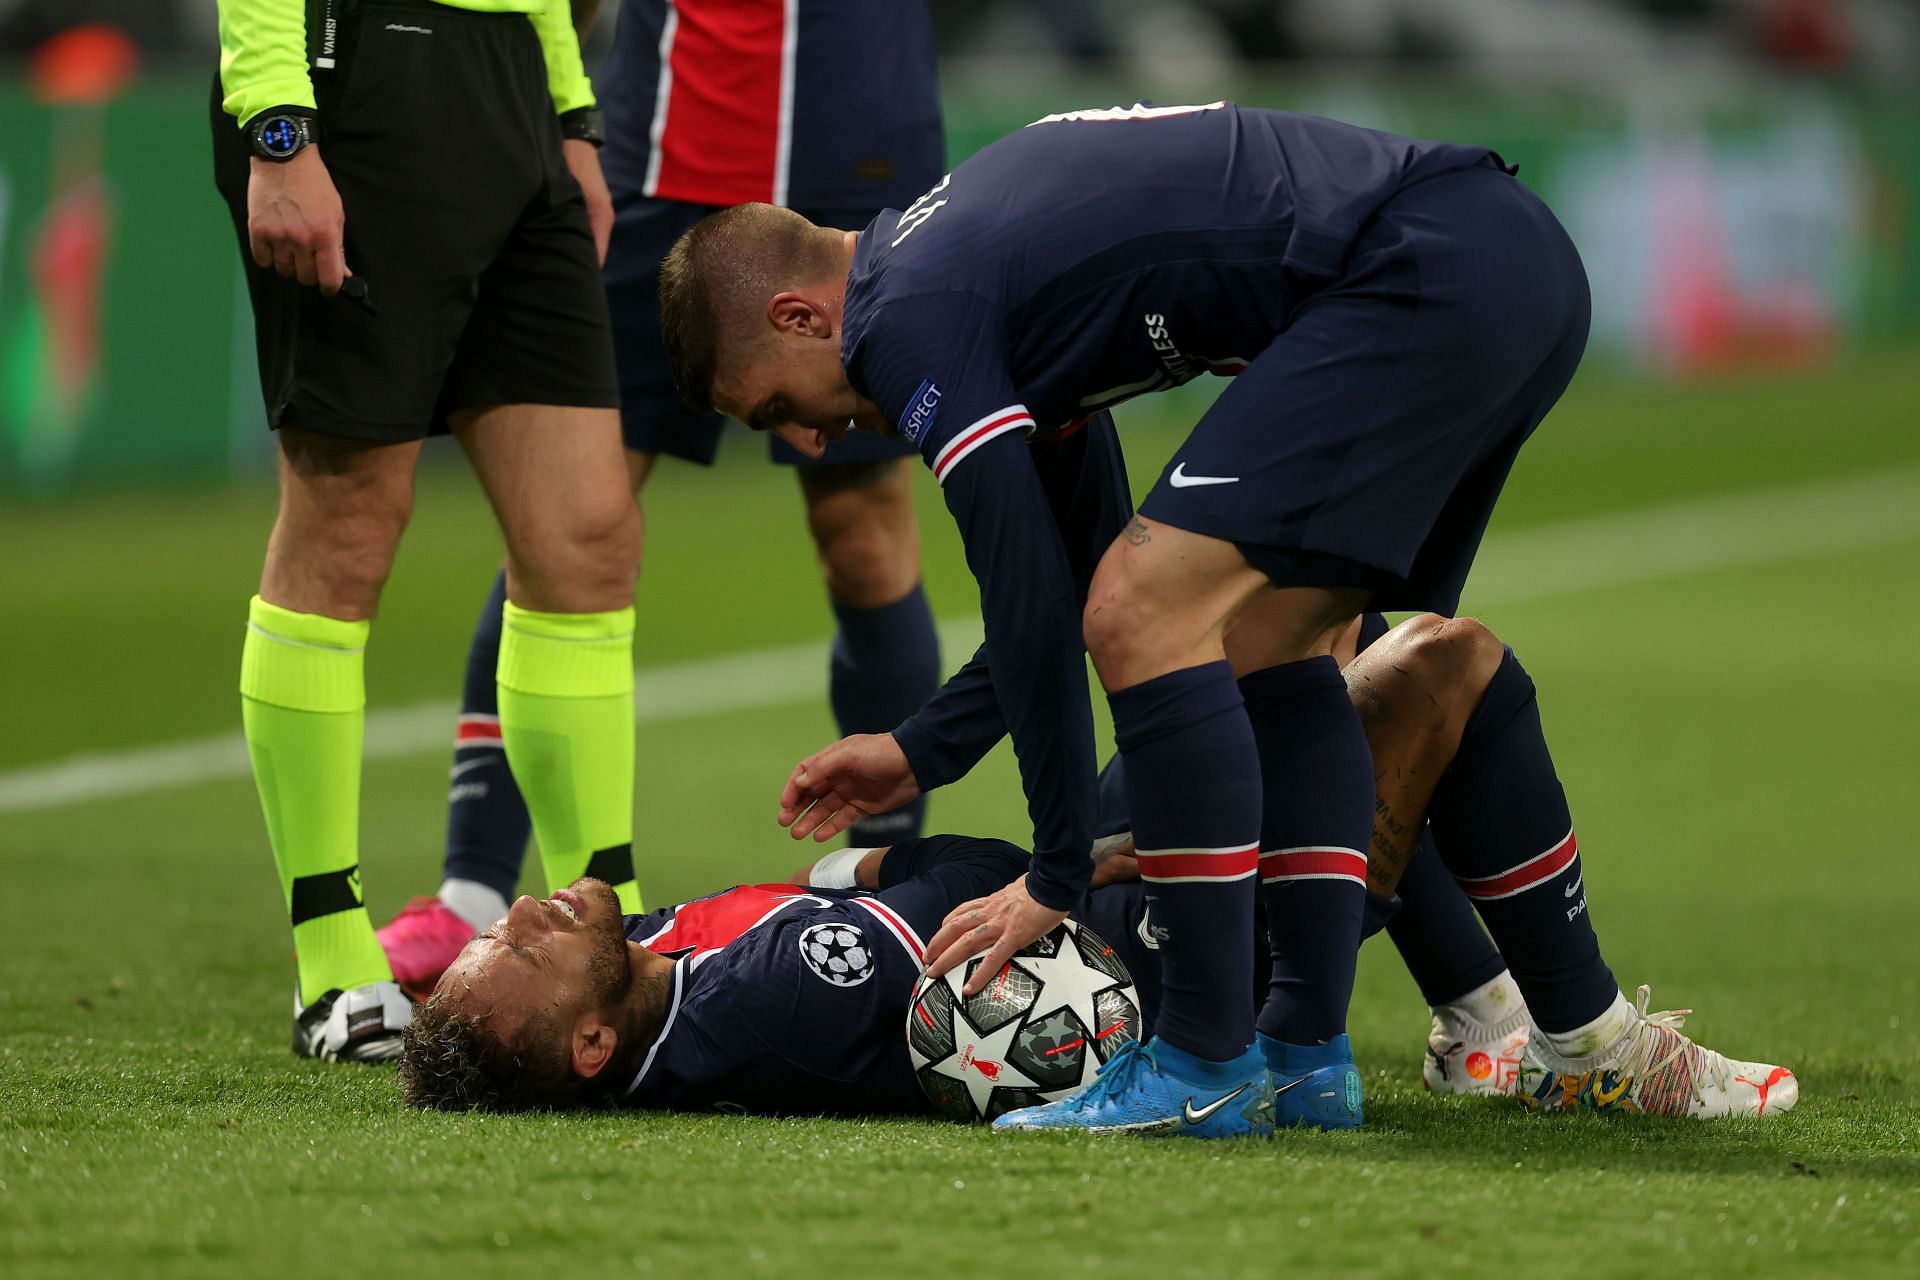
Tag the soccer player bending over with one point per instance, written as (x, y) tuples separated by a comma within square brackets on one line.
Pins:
[(1398, 317)]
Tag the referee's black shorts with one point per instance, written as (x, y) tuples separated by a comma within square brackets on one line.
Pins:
[(461, 218)]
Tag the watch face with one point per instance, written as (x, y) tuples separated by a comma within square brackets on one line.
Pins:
[(281, 136)]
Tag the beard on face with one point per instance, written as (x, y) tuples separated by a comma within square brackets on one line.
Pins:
[(609, 977)]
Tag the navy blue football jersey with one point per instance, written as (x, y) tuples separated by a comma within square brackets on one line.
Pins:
[(1089, 258), (784, 1000)]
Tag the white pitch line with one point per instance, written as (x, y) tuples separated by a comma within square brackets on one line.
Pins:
[(1554, 559)]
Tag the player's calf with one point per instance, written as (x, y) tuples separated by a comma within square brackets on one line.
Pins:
[(1503, 829), (1415, 689)]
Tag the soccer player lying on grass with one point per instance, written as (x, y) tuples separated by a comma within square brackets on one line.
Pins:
[(1440, 699), (718, 1003)]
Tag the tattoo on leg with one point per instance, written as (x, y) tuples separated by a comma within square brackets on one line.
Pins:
[(1388, 851), (1136, 532)]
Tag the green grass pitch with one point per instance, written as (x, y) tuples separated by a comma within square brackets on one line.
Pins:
[(1734, 726)]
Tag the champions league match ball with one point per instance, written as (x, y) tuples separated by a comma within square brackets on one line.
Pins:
[(1040, 1030)]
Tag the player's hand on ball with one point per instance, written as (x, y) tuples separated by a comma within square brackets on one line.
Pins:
[(295, 222), (583, 161), (999, 925), (854, 778)]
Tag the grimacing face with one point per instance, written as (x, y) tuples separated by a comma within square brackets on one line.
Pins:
[(553, 960)]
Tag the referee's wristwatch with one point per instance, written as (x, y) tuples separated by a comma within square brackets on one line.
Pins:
[(584, 124), (281, 133)]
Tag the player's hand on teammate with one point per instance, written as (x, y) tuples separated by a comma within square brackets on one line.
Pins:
[(998, 925), (854, 778), (295, 222), (583, 161)]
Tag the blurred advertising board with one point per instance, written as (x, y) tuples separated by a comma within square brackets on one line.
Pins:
[(1776, 227)]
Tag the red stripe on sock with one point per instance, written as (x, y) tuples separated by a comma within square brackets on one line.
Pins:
[(1330, 863), (1529, 874), (1198, 864)]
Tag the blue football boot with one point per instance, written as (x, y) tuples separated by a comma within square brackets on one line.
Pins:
[(1159, 1091), (1313, 1084)]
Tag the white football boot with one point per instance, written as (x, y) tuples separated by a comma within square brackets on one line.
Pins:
[(1651, 1069), (1466, 1056), (361, 1025)]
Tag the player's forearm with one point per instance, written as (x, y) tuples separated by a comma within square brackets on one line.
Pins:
[(1032, 614), (560, 43), (584, 13), (956, 728), (263, 57)]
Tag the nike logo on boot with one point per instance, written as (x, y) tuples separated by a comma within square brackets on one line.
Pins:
[(1195, 1117)]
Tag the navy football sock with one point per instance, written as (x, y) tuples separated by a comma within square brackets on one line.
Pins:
[(1500, 821), (1317, 816), (886, 664), (1437, 932), (487, 822), (1193, 783)]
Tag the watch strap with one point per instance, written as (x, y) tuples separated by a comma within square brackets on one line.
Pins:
[(584, 124)]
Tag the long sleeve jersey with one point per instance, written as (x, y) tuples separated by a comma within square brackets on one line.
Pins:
[(1086, 259)]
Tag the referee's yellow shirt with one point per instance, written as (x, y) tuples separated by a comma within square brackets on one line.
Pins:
[(263, 52)]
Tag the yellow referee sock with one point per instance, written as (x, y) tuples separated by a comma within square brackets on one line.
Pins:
[(566, 717), (303, 699)]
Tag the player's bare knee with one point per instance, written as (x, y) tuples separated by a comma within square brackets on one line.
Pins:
[(336, 567), (1121, 634), (866, 567), (604, 549), (586, 564), (1445, 661)]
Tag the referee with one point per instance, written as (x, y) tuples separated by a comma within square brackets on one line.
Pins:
[(419, 205)]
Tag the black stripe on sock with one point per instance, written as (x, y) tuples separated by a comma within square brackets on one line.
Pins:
[(325, 895), (613, 865)]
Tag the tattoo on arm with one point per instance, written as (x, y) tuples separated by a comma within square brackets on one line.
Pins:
[(1136, 532)]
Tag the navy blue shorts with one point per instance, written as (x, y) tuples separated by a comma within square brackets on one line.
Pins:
[(652, 417), (1367, 444)]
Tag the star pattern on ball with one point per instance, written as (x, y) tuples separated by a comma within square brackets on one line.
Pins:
[(980, 1062), (1066, 975)]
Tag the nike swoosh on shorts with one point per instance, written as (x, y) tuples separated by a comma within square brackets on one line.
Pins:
[(1181, 480)]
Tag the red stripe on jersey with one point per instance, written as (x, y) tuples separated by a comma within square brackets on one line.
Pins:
[(1162, 865), (707, 924), (976, 435), (1328, 863), (719, 140), (896, 925), (1534, 871)]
